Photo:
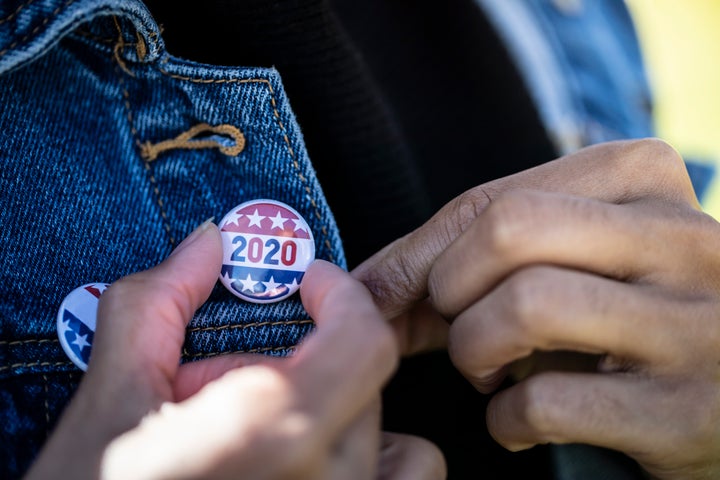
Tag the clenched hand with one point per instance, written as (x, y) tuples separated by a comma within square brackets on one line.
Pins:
[(602, 252)]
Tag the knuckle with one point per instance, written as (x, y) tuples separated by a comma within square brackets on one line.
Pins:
[(524, 295), (658, 163), (507, 220), (400, 275), (465, 209), (668, 160), (656, 149)]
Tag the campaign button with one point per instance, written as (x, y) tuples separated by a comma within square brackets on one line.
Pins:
[(267, 246), (76, 322)]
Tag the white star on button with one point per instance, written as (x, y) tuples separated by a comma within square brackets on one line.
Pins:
[(248, 283), (300, 225), (278, 221), (269, 253), (271, 285), (233, 217), (256, 219), (81, 341)]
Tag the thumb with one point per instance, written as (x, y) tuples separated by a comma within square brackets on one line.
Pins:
[(136, 351), (142, 318), (397, 275)]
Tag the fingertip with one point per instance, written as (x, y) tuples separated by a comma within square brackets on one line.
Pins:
[(206, 236), (320, 278), (199, 255), (497, 415), (159, 302), (320, 269)]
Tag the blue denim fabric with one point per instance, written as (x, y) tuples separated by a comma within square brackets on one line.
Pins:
[(83, 85), (582, 64)]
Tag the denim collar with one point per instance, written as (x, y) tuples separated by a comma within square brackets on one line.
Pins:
[(29, 28)]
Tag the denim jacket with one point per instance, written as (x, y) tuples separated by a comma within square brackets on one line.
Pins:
[(112, 151), (97, 181)]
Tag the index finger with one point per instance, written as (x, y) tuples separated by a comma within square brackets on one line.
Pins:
[(343, 364), (616, 172)]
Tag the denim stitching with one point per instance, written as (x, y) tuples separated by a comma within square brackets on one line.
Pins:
[(27, 37), (185, 354), (47, 407), (32, 340), (282, 129), (187, 140), (249, 325), (133, 130), (148, 168), (119, 45), (140, 47), (34, 364), (17, 10), (252, 350)]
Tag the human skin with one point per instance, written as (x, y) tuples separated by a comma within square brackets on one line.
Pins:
[(139, 414), (604, 252)]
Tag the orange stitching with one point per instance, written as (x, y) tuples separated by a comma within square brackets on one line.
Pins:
[(280, 124), (248, 325), (119, 45), (140, 47), (211, 80), (133, 130), (253, 350), (36, 29), (22, 342), (150, 151), (17, 10), (34, 364), (148, 169)]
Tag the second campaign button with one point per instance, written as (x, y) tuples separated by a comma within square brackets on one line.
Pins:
[(267, 246), (76, 322)]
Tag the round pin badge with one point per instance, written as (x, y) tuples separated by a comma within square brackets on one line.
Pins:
[(76, 322), (267, 246)]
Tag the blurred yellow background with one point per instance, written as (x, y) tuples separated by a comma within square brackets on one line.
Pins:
[(681, 42)]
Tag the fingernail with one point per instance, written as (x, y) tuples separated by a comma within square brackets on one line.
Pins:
[(197, 233)]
